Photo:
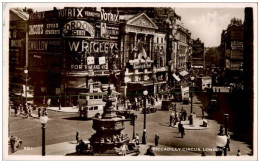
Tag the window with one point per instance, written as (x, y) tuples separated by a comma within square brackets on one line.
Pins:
[(95, 97), (90, 97), (162, 40), (91, 108), (95, 107), (100, 96)]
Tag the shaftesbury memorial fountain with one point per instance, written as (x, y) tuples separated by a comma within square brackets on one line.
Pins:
[(108, 128)]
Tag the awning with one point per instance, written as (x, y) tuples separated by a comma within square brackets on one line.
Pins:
[(176, 77), (184, 73)]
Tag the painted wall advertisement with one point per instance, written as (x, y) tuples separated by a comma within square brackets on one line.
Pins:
[(16, 47)]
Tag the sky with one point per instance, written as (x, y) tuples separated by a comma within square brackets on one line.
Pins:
[(208, 23)]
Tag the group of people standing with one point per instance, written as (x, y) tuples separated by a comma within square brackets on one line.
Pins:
[(138, 102), (177, 117), (24, 110)]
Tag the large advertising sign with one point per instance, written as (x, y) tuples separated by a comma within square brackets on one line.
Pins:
[(86, 54), (44, 45), (227, 63), (86, 38), (66, 13), (44, 29), (236, 54), (16, 47), (236, 65), (78, 28), (237, 45)]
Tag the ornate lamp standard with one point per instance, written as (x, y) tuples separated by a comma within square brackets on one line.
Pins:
[(221, 139), (26, 80), (43, 120), (144, 132)]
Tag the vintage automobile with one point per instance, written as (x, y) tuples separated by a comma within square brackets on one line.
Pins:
[(18, 142), (149, 109), (84, 148), (126, 113), (186, 100)]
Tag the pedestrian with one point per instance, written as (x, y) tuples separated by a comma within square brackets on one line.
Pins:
[(26, 111), (30, 110), (12, 143), (179, 126), (16, 110), (49, 102), (203, 154), (156, 139), (20, 108), (123, 149), (150, 151), (170, 120), (137, 139), (202, 112), (238, 152), (77, 136), (182, 131), (185, 115), (228, 142), (39, 112)]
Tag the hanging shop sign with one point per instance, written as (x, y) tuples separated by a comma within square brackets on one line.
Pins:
[(44, 45), (78, 28)]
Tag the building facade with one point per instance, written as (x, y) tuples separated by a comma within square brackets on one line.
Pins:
[(232, 44), (198, 55), (77, 49)]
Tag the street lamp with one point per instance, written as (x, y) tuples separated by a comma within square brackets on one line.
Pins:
[(144, 132), (221, 140), (154, 79), (43, 120), (191, 92), (26, 79)]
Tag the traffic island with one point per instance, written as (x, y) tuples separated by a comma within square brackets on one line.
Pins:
[(197, 125)]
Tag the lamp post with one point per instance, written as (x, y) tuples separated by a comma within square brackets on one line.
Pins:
[(144, 132), (226, 119), (221, 140), (43, 120), (154, 78), (26, 79), (191, 92)]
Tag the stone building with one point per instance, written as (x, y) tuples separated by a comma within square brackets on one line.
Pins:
[(232, 45)]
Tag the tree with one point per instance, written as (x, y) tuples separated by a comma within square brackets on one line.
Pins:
[(214, 56)]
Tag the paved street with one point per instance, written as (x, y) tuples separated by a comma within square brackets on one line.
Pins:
[(61, 127)]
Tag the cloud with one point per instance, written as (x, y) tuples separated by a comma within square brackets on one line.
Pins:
[(208, 27)]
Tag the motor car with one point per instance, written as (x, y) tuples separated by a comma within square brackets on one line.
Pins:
[(186, 100), (149, 109)]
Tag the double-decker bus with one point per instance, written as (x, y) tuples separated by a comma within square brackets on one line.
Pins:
[(90, 104)]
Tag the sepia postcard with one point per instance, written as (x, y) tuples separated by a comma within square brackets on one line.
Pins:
[(130, 81)]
